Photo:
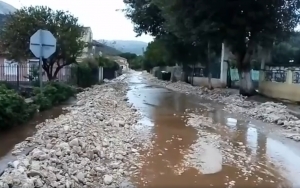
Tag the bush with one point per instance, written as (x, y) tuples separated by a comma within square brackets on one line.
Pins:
[(86, 73), (52, 94), (13, 108), (107, 63)]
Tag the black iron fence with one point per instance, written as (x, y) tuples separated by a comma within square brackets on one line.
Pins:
[(18, 76), (296, 76), (215, 71), (275, 75)]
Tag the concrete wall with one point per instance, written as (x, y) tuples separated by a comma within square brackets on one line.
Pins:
[(203, 81), (287, 90)]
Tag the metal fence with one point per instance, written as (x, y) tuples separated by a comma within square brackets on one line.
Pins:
[(275, 75), (18, 75), (215, 70)]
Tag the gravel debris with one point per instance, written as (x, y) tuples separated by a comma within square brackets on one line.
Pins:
[(95, 144)]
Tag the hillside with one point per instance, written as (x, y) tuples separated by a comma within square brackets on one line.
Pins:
[(105, 49), (131, 46), (4, 10)]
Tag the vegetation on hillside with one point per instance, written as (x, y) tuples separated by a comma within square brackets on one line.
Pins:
[(108, 50), (127, 46)]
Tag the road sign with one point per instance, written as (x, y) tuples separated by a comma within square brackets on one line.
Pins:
[(42, 44)]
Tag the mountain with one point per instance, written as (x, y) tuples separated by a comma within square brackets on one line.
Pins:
[(131, 46), (106, 50), (5, 9)]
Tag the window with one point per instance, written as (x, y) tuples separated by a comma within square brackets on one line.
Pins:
[(10, 68)]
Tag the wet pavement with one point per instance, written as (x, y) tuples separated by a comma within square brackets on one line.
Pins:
[(276, 160)]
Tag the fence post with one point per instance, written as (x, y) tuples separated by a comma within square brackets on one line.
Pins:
[(18, 77), (77, 75), (100, 74), (289, 77)]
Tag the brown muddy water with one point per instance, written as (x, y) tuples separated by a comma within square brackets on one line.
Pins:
[(10, 138), (277, 159)]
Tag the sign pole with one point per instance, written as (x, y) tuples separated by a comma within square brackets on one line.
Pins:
[(42, 45), (41, 60)]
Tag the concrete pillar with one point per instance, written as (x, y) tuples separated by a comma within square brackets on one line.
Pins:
[(100, 74), (224, 65), (262, 68), (289, 77)]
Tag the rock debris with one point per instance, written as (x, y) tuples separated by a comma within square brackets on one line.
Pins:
[(95, 144)]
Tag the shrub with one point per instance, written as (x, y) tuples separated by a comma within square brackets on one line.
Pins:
[(43, 102), (13, 108), (107, 63), (52, 94), (86, 73)]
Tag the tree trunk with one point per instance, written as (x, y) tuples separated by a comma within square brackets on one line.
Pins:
[(208, 67), (246, 83), (209, 82), (228, 75), (48, 72), (244, 69)]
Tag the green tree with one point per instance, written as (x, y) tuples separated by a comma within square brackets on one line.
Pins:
[(242, 25), (137, 63), (107, 63), (128, 56), (19, 26), (148, 18), (285, 51), (155, 54)]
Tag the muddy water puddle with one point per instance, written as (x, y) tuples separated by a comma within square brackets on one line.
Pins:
[(271, 162), (11, 137)]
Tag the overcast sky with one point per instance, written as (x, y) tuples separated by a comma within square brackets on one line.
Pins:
[(100, 15)]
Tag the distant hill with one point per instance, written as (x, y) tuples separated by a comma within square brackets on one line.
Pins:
[(5, 9), (105, 49), (131, 46)]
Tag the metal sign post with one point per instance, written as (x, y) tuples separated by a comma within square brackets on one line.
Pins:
[(42, 45), (41, 60)]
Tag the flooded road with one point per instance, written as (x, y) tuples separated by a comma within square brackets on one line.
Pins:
[(260, 159)]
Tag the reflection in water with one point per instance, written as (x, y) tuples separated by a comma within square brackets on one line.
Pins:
[(278, 153), (172, 139), (252, 139), (10, 138)]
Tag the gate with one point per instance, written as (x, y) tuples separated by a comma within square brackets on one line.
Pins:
[(108, 73)]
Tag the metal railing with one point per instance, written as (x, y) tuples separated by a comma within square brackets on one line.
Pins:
[(17, 75), (275, 75)]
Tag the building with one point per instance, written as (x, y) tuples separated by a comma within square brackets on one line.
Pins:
[(121, 61)]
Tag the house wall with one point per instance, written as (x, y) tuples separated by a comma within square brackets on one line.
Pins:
[(203, 81), (287, 90), (87, 38)]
